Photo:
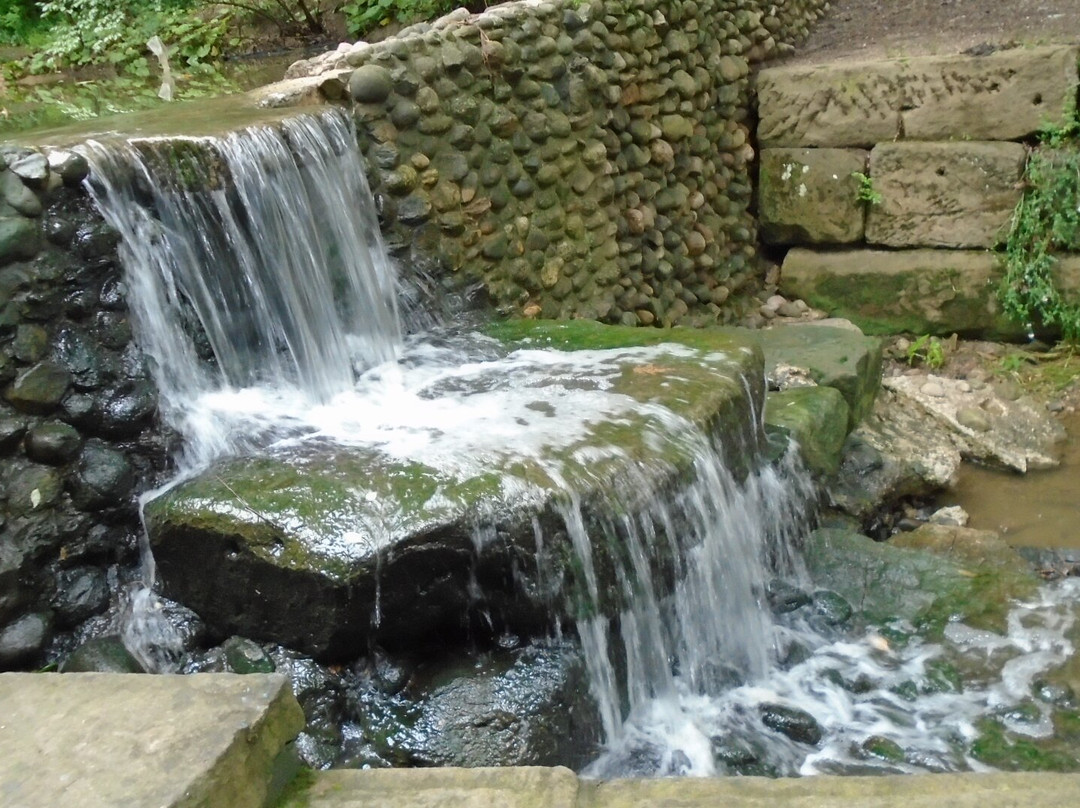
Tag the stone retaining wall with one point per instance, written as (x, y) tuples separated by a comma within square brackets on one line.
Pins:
[(892, 180), (78, 430), (579, 159)]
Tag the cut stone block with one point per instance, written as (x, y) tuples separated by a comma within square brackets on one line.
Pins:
[(811, 196), (1005, 95), (913, 291), (957, 195), (100, 740)]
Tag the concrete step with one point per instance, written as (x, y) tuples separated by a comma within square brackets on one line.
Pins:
[(94, 740), (561, 788)]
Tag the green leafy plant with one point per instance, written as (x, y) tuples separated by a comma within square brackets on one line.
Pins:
[(1045, 224), (928, 351), (362, 16), (866, 192)]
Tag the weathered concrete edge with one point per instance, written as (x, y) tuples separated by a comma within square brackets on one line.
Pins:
[(241, 775), (530, 787)]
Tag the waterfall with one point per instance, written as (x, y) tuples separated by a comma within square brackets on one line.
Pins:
[(261, 293), (259, 252)]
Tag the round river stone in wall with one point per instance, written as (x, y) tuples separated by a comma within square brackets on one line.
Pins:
[(370, 84)]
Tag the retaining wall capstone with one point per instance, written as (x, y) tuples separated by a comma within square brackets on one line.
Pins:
[(576, 159)]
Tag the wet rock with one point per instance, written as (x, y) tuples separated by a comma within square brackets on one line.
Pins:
[(796, 724), (1057, 693), (30, 487), (528, 706), (831, 609), (784, 597), (952, 515), (11, 430), (52, 442), (20, 239), (103, 477), (102, 655), (81, 592), (883, 749), (816, 418), (69, 165), (39, 389), (246, 656), (21, 642)]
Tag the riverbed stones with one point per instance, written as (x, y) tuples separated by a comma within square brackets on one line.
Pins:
[(326, 548), (919, 291), (20, 239), (811, 196), (954, 195), (370, 84), (1006, 95)]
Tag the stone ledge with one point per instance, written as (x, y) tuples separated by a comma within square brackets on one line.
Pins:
[(103, 740), (560, 788), (1006, 95)]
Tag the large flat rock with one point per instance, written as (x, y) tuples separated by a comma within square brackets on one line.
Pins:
[(323, 546), (560, 788), (956, 195), (1006, 95), (106, 740), (917, 291)]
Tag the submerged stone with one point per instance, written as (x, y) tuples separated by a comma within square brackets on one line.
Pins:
[(796, 724), (102, 655), (322, 546)]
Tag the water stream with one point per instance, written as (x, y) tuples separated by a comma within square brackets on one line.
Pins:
[(262, 294)]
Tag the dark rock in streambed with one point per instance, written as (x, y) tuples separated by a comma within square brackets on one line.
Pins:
[(81, 592), (796, 724), (324, 548), (102, 655), (784, 597), (524, 707), (831, 609), (54, 443), (22, 642), (246, 656), (103, 478)]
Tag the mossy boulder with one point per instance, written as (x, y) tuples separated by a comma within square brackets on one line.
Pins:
[(816, 418), (324, 547), (932, 576), (835, 357)]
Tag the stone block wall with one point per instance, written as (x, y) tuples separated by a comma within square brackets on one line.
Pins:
[(890, 183), (79, 436), (577, 159)]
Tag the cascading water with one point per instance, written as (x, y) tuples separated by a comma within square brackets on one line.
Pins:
[(262, 294), (266, 244)]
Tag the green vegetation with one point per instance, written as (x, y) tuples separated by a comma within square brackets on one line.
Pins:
[(866, 192), (362, 16), (928, 351), (1045, 224)]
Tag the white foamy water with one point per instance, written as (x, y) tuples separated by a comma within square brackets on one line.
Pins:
[(863, 688)]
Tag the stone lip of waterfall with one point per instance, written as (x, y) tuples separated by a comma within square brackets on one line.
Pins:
[(403, 507)]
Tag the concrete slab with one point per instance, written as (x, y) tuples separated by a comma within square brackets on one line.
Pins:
[(560, 788), (106, 740), (520, 787)]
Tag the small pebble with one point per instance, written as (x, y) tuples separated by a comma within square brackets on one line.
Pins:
[(933, 389)]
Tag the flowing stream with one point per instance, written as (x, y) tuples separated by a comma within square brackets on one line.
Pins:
[(265, 300)]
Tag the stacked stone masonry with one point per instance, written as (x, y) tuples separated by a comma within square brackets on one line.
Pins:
[(576, 159), (893, 182), (78, 412)]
